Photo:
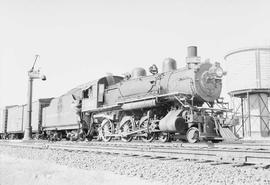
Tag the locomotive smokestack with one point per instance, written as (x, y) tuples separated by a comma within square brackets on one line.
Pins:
[(192, 58), (192, 51)]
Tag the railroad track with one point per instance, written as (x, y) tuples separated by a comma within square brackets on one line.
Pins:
[(173, 144), (226, 153)]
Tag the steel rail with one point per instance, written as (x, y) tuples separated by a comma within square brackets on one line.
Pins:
[(198, 153), (232, 145)]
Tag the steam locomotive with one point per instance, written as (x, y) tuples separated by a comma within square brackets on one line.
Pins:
[(165, 105), (181, 103)]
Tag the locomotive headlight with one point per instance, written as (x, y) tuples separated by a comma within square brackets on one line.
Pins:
[(219, 72)]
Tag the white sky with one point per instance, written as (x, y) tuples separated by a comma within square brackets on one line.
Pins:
[(79, 41)]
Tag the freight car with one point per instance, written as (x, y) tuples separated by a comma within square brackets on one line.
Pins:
[(14, 119), (3, 124), (15, 126)]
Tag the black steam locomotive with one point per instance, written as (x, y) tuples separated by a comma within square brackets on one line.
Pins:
[(176, 103)]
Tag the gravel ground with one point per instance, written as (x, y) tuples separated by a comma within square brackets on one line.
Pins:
[(15, 171), (159, 170)]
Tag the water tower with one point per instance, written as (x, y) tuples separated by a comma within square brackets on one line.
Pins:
[(248, 84)]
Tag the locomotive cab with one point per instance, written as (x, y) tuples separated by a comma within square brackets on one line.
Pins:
[(95, 94)]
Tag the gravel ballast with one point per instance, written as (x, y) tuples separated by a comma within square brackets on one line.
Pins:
[(159, 170), (17, 171)]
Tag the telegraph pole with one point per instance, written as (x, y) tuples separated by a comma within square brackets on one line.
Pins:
[(32, 74)]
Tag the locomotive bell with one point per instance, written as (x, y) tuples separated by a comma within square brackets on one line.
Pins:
[(169, 64), (138, 72)]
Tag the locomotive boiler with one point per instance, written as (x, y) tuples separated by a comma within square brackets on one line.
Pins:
[(174, 103)]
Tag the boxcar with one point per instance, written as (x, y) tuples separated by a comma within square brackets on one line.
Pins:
[(4, 119), (36, 120), (3, 122), (15, 116), (13, 119)]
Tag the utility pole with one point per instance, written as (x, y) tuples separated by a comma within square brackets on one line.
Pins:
[(32, 74)]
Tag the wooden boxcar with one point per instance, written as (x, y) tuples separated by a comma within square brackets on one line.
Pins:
[(37, 108), (15, 116), (13, 119), (3, 122)]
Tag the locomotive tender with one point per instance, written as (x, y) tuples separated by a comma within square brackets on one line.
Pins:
[(172, 104)]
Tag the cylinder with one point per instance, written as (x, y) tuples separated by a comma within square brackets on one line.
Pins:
[(169, 64), (173, 122), (192, 51)]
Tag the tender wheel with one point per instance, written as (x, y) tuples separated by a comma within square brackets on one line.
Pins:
[(106, 129), (60, 136), (36, 136), (192, 135), (89, 138), (126, 127), (82, 136), (143, 124), (163, 137), (68, 136), (74, 136)]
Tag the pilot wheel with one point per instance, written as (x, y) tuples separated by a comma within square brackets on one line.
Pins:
[(192, 135), (163, 137)]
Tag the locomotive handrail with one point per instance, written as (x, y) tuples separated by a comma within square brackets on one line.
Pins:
[(150, 97), (214, 109)]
